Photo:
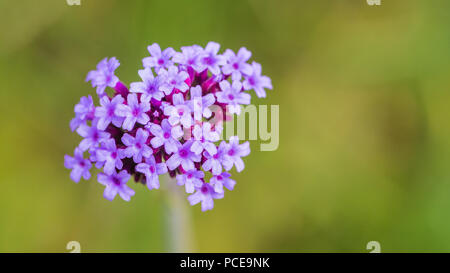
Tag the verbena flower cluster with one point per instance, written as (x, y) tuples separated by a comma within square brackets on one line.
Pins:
[(165, 123)]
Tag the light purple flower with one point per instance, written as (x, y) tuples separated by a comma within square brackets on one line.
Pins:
[(92, 136), (106, 112), (237, 64), (84, 111), (210, 59), (173, 79), (158, 59), (191, 179), (152, 170), (214, 163), (133, 112), (184, 157), (232, 96), (189, 56), (137, 146), (116, 183), (204, 139), (166, 135), (235, 151), (206, 195), (257, 82), (200, 104), (179, 112), (110, 156), (221, 180), (104, 75), (149, 87), (80, 166)]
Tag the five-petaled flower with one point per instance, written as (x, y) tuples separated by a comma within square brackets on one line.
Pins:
[(152, 170), (104, 75), (80, 166), (116, 183), (133, 112), (136, 146)]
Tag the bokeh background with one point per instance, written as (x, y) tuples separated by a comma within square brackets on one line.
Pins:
[(364, 148)]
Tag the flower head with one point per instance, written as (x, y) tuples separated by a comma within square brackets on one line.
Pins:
[(164, 123)]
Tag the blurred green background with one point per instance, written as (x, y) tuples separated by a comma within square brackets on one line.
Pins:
[(364, 148)]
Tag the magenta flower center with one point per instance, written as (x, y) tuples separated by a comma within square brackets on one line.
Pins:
[(166, 135), (116, 181), (183, 153), (204, 189)]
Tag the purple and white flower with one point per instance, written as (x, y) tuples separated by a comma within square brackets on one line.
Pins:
[(149, 87), (173, 79), (137, 146), (206, 195), (235, 151), (133, 112), (200, 104), (116, 183), (151, 170), (191, 180), (204, 139), (166, 135), (214, 163), (257, 82), (84, 111), (92, 136), (237, 65), (232, 96), (106, 113), (210, 59), (109, 156), (158, 59), (189, 56), (80, 166), (179, 112), (184, 157), (222, 180), (104, 75)]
